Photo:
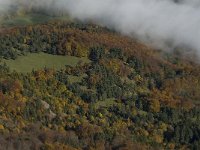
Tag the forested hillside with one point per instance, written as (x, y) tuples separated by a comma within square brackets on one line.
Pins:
[(125, 95)]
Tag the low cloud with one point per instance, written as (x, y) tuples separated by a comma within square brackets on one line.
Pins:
[(166, 24)]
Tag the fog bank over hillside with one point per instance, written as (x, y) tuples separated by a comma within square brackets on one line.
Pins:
[(164, 23), (4, 6)]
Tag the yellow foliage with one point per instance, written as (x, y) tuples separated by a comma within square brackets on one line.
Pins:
[(1, 127), (103, 122), (82, 51), (62, 88), (134, 112), (61, 129), (158, 138), (113, 64), (143, 132), (100, 115), (163, 126), (138, 78), (171, 146), (154, 105), (120, 126)]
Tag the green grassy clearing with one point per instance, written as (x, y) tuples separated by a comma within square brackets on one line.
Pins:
[(25, 64)]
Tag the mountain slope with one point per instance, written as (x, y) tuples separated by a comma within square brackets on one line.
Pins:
[(127, 96)]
